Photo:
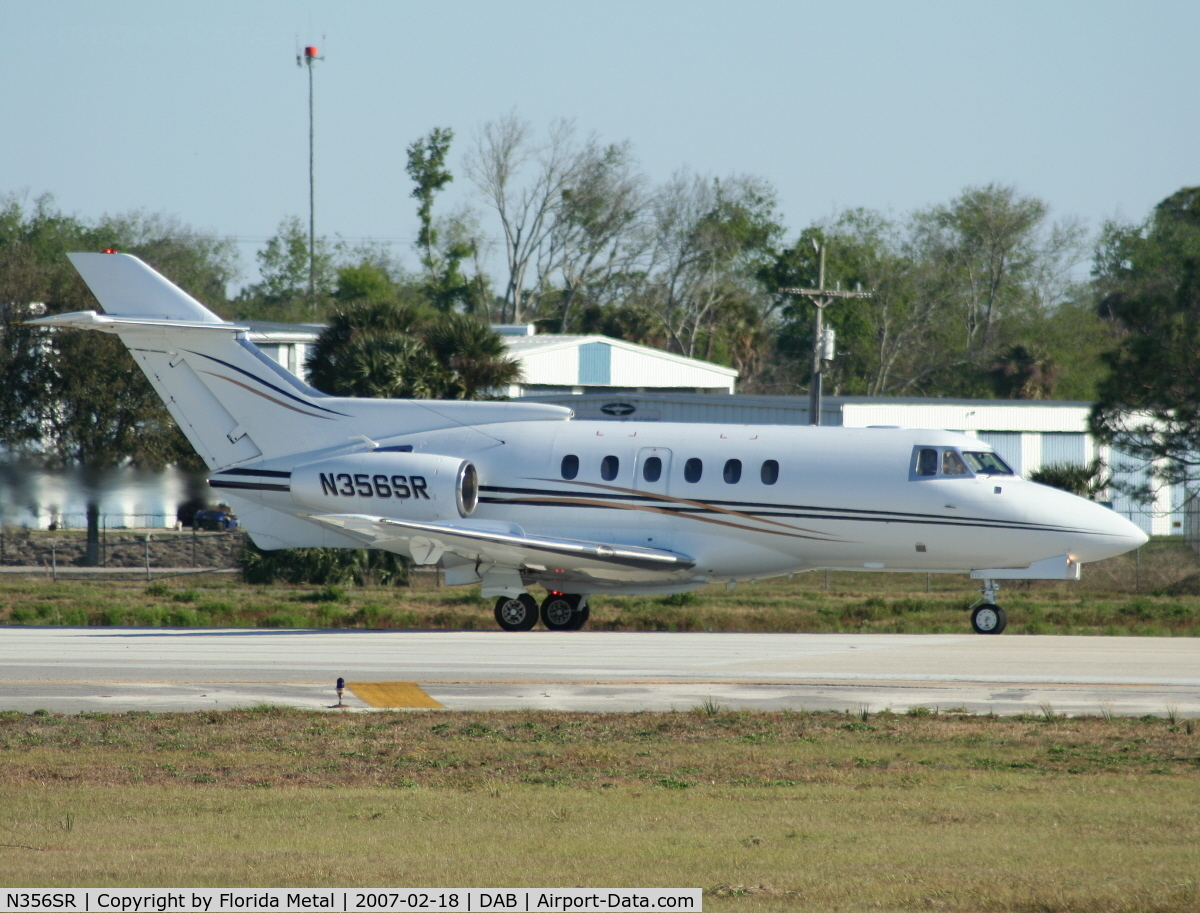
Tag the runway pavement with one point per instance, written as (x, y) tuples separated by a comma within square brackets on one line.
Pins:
[(70, 670)]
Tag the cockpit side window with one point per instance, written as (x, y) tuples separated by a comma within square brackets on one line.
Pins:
[(927, 462), (952, 464), (986, 463)]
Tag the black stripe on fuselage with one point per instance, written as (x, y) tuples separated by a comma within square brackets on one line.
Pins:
[(266, 473), (247, 486), (535, 497)]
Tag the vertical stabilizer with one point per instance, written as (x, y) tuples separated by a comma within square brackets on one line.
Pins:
[(233, 403)]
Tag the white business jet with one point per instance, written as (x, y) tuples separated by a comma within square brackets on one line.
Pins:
[(510, 494)]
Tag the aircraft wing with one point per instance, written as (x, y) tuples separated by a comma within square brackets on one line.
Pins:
[(504, 545)]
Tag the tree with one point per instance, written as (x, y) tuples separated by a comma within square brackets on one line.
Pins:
[(445, 284), (1024, 373), (528, 206), (1149, 405), (712, 238), (598, 233), (1085, 481), (78, 398), (956, 290), (282, 292), (393, 350)]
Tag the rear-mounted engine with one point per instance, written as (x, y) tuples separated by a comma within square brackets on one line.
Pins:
[(408, 486)]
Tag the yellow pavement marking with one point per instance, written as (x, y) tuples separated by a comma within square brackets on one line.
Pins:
[(392, 694)]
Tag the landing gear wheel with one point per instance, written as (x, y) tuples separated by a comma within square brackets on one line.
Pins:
[(559, 611), (580, 618), (516, 613), (989, 619)]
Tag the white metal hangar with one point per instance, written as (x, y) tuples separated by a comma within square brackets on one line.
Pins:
[(597, 364), (549, 363)]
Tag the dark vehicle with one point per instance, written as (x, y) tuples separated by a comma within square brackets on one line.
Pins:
[(219, 520)]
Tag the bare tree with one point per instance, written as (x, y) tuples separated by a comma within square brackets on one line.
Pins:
[(523, 180), (598, 232)]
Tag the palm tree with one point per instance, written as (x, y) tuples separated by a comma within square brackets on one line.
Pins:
[(389, 349)]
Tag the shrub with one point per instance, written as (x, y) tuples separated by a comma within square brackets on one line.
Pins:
[(283, 619), (325, 566)]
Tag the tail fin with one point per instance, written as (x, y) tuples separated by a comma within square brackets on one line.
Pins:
[(233, 403)]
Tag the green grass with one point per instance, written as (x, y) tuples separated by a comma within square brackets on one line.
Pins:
[(765, 811), (1148, 595)]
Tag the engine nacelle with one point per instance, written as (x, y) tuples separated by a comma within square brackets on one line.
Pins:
[(407, 486)]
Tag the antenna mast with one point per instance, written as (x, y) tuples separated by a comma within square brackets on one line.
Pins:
[(308, 58)]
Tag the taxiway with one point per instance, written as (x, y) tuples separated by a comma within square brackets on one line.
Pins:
[(70, 670)]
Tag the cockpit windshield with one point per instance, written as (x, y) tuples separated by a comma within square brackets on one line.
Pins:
[(985, 463), (952, 465), (948, 462)]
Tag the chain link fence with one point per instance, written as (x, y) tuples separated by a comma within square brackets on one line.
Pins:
[(1191, 520)]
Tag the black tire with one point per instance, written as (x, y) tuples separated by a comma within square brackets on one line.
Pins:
[(516, 613), (559, 611), (989, 619), (579, 619)]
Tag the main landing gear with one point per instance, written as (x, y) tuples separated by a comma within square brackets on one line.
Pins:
[(986, 616), (559, 612)]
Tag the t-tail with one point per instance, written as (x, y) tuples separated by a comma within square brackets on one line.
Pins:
[(235, 405)]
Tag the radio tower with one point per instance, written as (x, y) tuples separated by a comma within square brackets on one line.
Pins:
[(308, 58)]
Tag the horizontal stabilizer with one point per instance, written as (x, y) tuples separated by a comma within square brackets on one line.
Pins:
[(91, 320), (499, 544)]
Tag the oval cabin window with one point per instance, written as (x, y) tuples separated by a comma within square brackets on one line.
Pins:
[(652, 469), (692, 470), (570, 466), (733, 471), (609, 467), (770, 472)]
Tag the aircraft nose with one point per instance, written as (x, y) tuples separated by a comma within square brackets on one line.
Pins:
[(1111, 534)]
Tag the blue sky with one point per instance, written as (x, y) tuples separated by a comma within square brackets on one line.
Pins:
[(198, 109)]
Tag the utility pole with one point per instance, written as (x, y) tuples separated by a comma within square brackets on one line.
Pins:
[(821, 297), (308, 58)]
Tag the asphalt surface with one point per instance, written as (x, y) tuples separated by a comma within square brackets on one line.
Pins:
[(69, 670)]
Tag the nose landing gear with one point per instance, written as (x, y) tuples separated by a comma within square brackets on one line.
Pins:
[(986, 616)]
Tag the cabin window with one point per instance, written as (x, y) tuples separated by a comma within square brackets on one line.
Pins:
[(570, 466), (609, 467), (652, 469), (952, 464), (769, 472), (693, 469), (927, 462), (733, 471), (986, 463)]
